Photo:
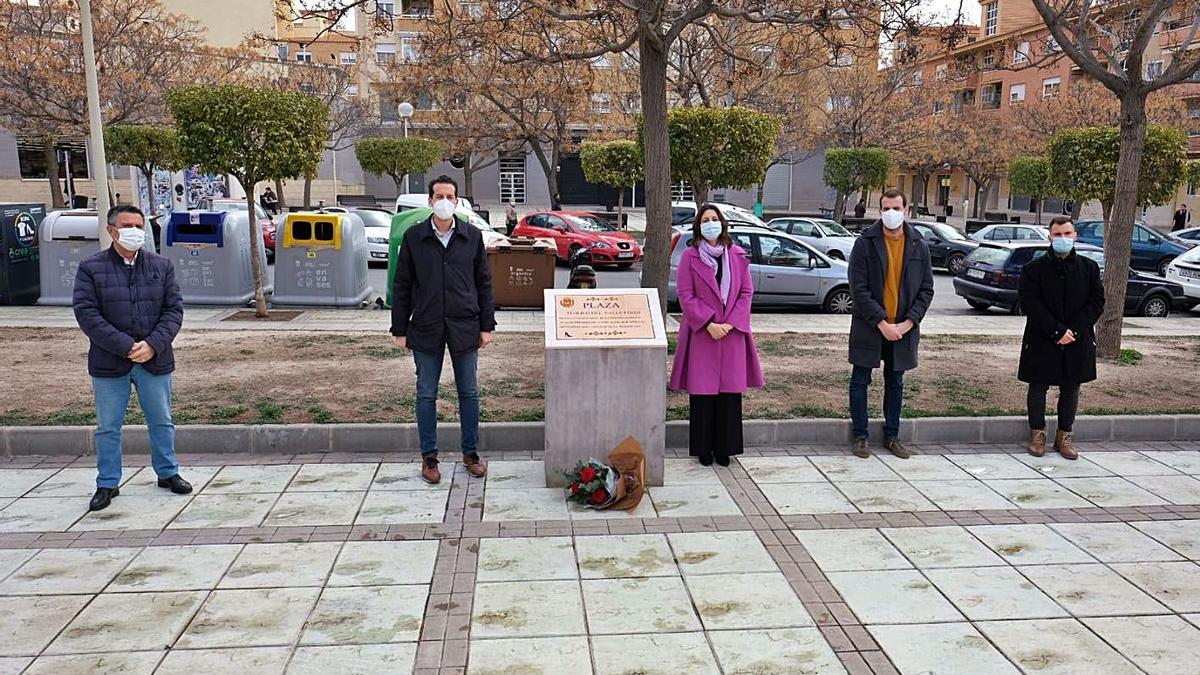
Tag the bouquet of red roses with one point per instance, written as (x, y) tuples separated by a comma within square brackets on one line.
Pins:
[(594, 484)]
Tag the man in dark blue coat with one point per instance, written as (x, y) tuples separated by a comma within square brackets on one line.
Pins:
[(128, 304)]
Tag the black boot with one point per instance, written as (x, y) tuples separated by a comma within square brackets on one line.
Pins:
[(102, 498), (175, 484), (706, 460)]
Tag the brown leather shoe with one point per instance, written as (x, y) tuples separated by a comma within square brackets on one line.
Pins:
[(475, 466), (859, 447), (897, 448), (1062, 443), (429, 470), (1037, 442)]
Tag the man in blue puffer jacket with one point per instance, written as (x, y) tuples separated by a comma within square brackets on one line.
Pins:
[(128, 304)]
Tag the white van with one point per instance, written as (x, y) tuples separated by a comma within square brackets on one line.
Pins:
[(419, 200)]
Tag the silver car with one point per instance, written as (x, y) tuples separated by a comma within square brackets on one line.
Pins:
[(1012, 233), (825, 235), (786, 271)]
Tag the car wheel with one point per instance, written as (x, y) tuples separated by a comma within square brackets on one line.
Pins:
[(1155, 306), (839, 301), (573, 253), (1162, 266), (836, 255), (981, 306), (955, 263)]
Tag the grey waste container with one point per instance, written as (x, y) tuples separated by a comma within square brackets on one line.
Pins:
[(67, 238), (211, 254), (19, 253), (321, 260)]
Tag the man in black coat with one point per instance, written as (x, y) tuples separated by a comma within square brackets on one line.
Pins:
[(1062, 296), (891, 278), (128, 304), (1181, 218), (442, 297)]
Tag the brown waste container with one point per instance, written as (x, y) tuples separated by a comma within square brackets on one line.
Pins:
[(521, 270)]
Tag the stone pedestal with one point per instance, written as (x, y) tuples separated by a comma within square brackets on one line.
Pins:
[(603, 388)]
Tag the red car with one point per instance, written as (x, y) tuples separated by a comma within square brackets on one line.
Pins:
[(575, 231), (264, 221)]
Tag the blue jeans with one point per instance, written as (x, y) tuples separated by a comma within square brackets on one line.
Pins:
[(112, 400), (893, 396), (429, 372)]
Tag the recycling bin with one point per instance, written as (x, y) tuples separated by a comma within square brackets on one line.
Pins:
[(321, 261), (211, 254), (522, 270), (19, 274), (67, 237)]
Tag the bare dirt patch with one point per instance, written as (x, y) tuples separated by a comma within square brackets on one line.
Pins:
[(241, 377)]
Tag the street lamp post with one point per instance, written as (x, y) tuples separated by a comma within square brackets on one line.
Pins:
[(95, 124), (405, 111)]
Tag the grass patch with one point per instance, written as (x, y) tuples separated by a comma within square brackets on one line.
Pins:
[(537, 414), (383, 352), (678, 412), (672, 343), (320, 414), (269, 412), (958, 389), (814, 411), (1129, 357), (404, 403), (226, 413), (72, 417)]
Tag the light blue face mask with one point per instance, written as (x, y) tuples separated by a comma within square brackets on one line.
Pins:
[(1062, 245), (710, 229)]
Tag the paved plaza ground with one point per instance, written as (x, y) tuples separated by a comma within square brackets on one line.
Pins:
[(963, 559)]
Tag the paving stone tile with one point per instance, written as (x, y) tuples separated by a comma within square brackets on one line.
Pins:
[(615, 556), (1130, 463), (175, 568), (645, 509), (120, 622), (14, 665), (515, 475), (941, 649), (929, 547), (75, 482), (17, 482), (638, 605), (1029, 544), (250, 618), (693, 500), (991, 593), (402, 506), (360, 659), (11, 559), (1175, 489), (381, 563), (536, 655), (1055, 647), (1158, 644), (238, 479), (279, 565), (787, 650), (843, 469), (802, 498), (44, 514), (224, 510), (1037, 494), (720, 553), (994, 467), (145, 482), (29, 623), (662, 653), (407, 476), (1055, 466), (1115, 542), (925, 467), (757, 600), (893, 596), (962, 495), (259, 660), (524, 504), (1175, 584), (1111, 492), (851, 550), (135, 513), (526, 559), (298, 509), (333, 478), (132, 663), (689, 471), (366, 615), (885, 496), (527, 609), (1187, 461), (1182, 536), (67, 571), (765, 470), (1091, 590)]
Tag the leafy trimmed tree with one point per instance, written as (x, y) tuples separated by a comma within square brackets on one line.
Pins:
[(617, 164), (145, 147), (1030, 176), (252, 134), (397, 157), (848, 170)]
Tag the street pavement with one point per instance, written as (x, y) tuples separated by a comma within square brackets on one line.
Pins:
[(963, 559)]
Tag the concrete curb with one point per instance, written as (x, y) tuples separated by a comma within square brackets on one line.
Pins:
[(525, 436)]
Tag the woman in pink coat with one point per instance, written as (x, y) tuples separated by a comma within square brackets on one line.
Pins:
[(715, 360)]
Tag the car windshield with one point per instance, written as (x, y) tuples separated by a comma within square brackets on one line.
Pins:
[(229, 207), (947, 232), (590, 223), (989, 255), (741, 214), (1192, 256), (1098, 256), (374, 218), (832, 229)]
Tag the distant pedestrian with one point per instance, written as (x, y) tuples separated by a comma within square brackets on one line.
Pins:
[(128, 304), (269, 201), (716, 359), (555, 204), (442, 298), (1062, 296), (510, 215), (1182, 218), (860, 209), (892, 283)]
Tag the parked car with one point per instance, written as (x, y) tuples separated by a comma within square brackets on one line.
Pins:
[(993, 272), (576, 231), (825, 235), (1185, 271), (1151, 252), (1011, 233), (684, 213), (1189, 237), (264, 220), (378, 226), (948, 247), (787, 272)]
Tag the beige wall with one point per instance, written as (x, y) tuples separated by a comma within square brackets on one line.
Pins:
[(38, 191), (228, 22)]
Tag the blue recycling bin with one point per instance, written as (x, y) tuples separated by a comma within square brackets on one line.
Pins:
[(211, 254)]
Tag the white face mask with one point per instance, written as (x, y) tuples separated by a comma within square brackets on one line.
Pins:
[(444, 209), (710, 229), (131, 238), (892, 219)]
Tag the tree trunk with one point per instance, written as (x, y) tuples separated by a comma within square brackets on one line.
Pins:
[(279, 195), (1040, 202), (57, 200), (701, 191), (260, 299), (1106, 211), (839, 207), (1076, 208), (924, 176), (547, 165), (469, 177), (621, 209), (1118, 228), (307, 192), (657, 253)]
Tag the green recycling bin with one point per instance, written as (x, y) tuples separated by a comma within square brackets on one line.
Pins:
[(400, 224)]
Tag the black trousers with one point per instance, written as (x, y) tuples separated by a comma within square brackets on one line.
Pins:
[(1068, 405), (715, 425)]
